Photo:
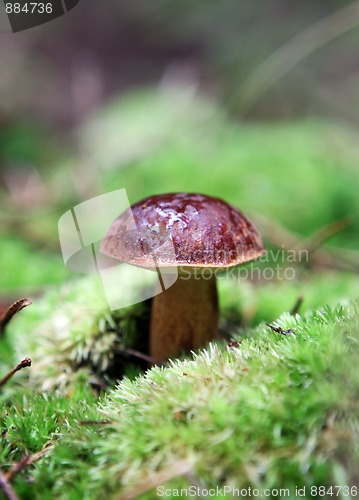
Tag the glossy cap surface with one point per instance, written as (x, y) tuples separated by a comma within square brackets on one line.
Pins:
[(183, 229)]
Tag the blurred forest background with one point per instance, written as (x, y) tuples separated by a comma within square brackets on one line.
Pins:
[(256, 102), (253, 101)]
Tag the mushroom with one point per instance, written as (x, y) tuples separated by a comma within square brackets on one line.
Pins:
[(194, 235)]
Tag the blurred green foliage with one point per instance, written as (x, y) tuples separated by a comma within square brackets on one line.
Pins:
[(298, 175), (26, 268), (275, 411)]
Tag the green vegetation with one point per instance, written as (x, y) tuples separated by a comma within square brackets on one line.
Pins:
[(273, 411)]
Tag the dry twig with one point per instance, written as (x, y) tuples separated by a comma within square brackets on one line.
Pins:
[(23, 364), (297, 305), (7, 488), (317, 239), (94, 422), (293, 51), (6, 316), (180, 468), (140, 355), (25, 461), (280, 330), (333, 258)]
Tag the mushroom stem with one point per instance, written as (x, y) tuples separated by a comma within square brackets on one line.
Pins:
[(184, 317)]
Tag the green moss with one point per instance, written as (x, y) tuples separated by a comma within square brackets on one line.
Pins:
[(71, 333), (277, 411)]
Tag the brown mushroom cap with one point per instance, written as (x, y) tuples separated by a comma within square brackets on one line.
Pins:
[(183, 230)]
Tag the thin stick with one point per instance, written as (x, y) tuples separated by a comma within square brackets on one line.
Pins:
[(94, 422), (25, 461), (6, 316), (282, 60), (333, 258), (297, 305), (180, 468), (7, 488), (141, 355), (323, 234), (277, 234), (18, 467), (23, 364), (280, 330)]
